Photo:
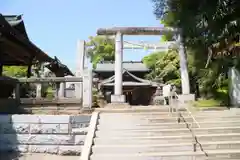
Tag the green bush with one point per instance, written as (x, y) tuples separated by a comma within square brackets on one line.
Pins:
[(207, 103), (49, 93)]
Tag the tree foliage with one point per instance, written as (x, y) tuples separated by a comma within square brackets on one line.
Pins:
[(165, 66), (100, 48), (214, 24), (210, 31), (15, 71)]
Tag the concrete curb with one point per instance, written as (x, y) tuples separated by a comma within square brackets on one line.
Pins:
[(87, 148)]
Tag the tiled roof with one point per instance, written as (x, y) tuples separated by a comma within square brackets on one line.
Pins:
[(109, 81), (13, 30), (128, 65)]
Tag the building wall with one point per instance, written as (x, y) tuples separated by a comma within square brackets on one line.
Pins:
[(54, 134)]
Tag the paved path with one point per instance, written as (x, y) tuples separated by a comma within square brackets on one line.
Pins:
[(37, 156)]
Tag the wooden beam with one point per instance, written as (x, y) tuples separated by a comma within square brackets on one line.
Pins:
[(136, 30), (16, 51), (9, 59)]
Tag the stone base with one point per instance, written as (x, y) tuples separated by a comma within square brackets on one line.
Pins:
[(117, 105), (116, 99), (185, 98), (86, 110)]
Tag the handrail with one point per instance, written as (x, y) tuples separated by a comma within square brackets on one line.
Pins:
[(186, 108), (195, 141)]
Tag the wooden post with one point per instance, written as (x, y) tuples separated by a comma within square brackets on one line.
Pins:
[(29, 70), (1, 58), (17, 92), (1, 68)]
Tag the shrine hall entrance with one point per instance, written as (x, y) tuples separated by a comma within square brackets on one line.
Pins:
[(137, 90), (139, 95)]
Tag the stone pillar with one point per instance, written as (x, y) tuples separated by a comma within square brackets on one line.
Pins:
[(61, 91), (185, 96), (87, 89), (234, 86), (80, 68), (118, 97), (183, 67), (118, 63), (39, 90)]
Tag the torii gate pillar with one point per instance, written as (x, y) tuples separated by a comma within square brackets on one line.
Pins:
[(118, 96)]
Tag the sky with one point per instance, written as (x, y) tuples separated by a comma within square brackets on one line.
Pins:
[(56, 25)]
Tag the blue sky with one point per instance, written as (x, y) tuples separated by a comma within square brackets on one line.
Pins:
[(56, 25)]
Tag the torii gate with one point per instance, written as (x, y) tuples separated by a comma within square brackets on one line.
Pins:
[(118, 96)]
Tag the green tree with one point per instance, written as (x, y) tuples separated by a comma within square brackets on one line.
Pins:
[(209, 28), (15, 71), (100, 48), (205, 24), (165, 66)]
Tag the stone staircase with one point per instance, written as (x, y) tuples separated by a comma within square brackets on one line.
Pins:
[(158, 136)]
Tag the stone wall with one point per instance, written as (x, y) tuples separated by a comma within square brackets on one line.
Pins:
[(234, 86), (54, 134)]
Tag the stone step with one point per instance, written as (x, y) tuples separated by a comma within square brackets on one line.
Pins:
[(211, 154), (105, 120), (166, 139), (137, 109), (127, 149), (167, 113), (134, 113), (136, 127), (166, 132), (171, 125), (199, 119), (157, 114)]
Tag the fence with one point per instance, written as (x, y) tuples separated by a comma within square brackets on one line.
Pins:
[(82, 96), (60, 91)]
